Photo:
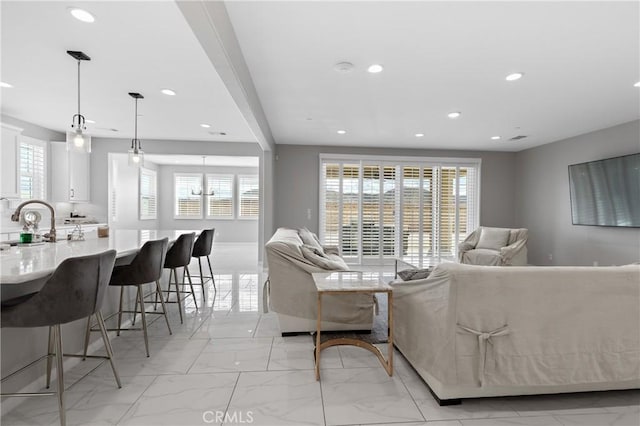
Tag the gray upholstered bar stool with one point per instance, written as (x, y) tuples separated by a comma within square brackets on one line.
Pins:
[(202, 248), (145, 268), (179, 256), (74, 291)]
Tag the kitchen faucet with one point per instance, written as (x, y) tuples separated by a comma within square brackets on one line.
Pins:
[(51, 236)]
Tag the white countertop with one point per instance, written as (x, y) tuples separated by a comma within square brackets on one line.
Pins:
[(20, 264)]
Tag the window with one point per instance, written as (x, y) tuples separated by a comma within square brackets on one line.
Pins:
[(32, 169), (148, 194), (188, 195), (220, 196), (384, 207), (249, 195)]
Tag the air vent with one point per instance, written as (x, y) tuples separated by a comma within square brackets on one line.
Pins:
[(517, 138), (217, 133)]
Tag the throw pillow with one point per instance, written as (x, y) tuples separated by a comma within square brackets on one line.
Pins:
[(414, 274), (320, 260), (309, 238), (493, 238)]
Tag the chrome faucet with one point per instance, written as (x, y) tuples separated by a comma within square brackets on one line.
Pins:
[(51, 236)]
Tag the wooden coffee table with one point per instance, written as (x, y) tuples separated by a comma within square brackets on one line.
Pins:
[(348, 283)]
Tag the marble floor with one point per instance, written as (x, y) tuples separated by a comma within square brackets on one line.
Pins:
[(227, 364)]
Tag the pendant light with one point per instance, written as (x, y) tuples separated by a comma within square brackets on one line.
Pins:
[(136, 155), (78, 140)]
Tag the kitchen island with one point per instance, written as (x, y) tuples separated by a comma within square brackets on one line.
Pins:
[(22, 264)]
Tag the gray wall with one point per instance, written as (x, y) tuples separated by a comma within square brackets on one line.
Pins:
[(543, 201), (227, 230), (296, 182)]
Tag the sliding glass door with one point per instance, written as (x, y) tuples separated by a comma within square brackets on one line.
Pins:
[(379, 209)]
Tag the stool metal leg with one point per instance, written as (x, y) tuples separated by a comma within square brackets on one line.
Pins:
[(164, 307), (50, 350), (193, 293), (144, 320), (107, 346), (120, 311), (204, 293), (60, 374), (213, 280), (87, 336), (175, 275)]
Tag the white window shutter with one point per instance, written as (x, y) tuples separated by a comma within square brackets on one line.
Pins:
[(249, 196), (32, 169), (148, 203), (219, 196), (187, 195)]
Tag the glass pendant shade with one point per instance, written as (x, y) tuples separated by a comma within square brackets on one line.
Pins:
[(78, 142), (136, 157)]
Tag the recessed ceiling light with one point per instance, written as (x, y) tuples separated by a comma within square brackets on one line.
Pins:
[(7, 85), (168, 92), (454, 114), (419, 135), (341, 132), (90, 121), (375, 68), (495, 138), (637, 84), (206, 126), (515, 76), (81, 15)]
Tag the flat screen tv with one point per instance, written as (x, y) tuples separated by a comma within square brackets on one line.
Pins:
[(606, 192)]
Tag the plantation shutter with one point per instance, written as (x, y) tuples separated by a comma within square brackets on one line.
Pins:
[(383, 209), (249, 192), (219, 196), (148, 194), (32, 169), (188, 195)]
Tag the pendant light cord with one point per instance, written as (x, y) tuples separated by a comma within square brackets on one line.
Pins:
[(78, 92)]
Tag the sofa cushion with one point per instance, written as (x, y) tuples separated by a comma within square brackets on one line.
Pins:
[(484, 257), (332, 263), (414, 274), (310, 239), (493, 238)]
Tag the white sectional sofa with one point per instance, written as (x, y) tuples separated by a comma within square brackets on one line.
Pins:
[(292, 291), (478, 331)]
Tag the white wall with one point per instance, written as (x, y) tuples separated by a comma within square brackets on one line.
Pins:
[(543, 202), (227, 230)]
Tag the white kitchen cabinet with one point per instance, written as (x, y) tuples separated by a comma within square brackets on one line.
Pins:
[(9, 161), (70, 174)]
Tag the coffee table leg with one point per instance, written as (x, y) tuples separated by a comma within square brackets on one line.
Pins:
[(318, 322)]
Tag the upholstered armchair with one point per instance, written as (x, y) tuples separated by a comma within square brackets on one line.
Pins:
[(494, 247)]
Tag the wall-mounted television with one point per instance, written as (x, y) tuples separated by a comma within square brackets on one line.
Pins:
[(606, 192)]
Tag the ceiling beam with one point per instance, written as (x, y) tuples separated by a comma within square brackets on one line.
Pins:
[(210, 23)]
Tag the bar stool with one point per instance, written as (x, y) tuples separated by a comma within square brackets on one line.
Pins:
[(179, 256), (202, 248), (74, 291), (145, 268)]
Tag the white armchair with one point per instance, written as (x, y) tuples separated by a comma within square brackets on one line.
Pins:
[(494, 247)]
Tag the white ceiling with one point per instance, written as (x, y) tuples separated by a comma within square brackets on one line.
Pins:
[(580, 61), (134, 47), (196, 160)]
